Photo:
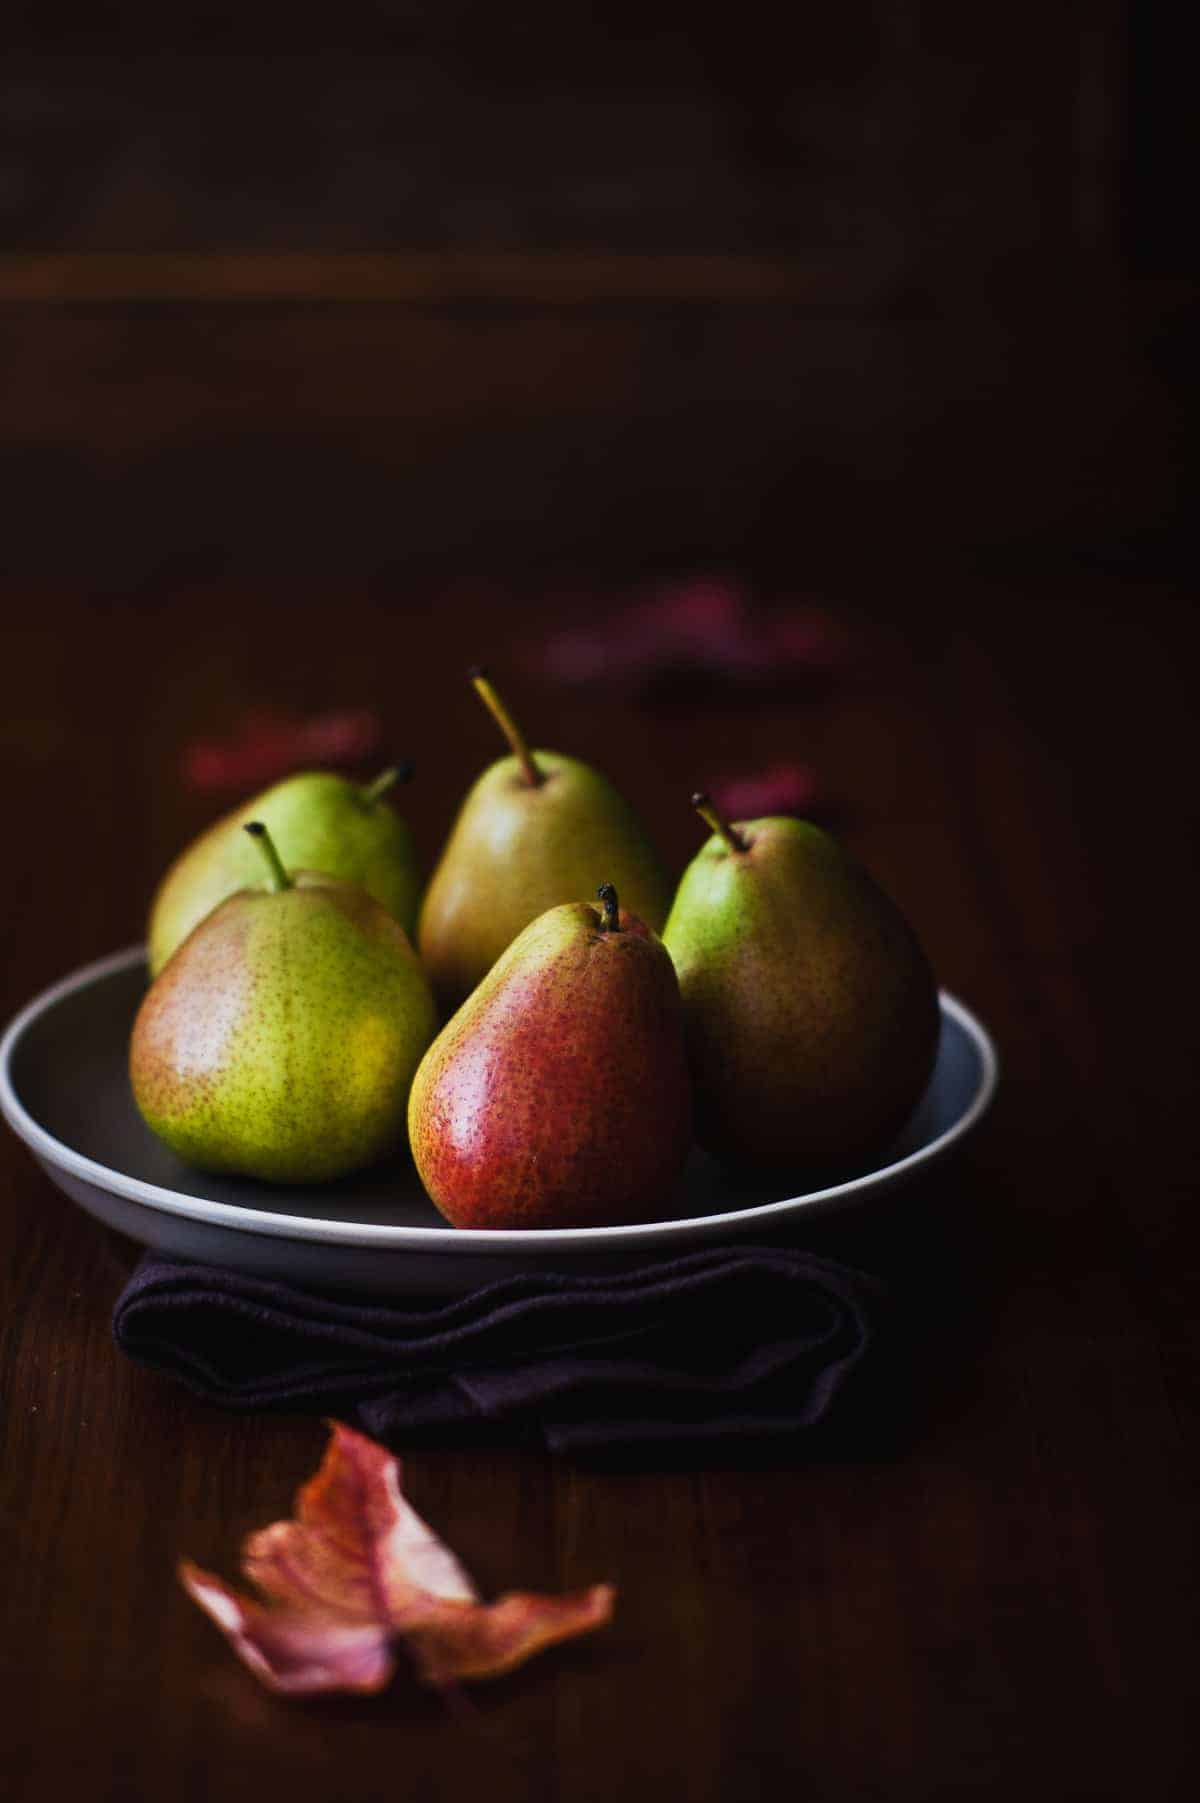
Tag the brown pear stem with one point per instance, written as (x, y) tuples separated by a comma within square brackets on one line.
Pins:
[(387, 779), (712, 817), (612, 913), (277, 875), (517, 742)]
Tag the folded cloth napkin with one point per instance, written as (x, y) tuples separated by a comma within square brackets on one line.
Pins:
[(720, 1345)]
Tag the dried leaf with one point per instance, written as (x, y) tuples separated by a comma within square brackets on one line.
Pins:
[(778, 789), (267, 744), (706, 629), (358, 1570)]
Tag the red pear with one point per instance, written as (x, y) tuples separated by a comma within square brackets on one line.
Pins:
[(558, 1095)]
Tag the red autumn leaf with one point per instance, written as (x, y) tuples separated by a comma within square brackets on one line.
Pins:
[(267, 744), (777, 789), (707, 627), (358, 1571)]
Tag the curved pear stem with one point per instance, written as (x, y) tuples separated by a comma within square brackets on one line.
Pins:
[(517, 742), (279, 878), (387, 779), (712, 817), (612, 913)]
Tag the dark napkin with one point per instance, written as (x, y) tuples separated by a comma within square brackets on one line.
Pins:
[(721, 1345)]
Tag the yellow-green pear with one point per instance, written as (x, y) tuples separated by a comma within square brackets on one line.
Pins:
[(811, 1010), (531, 834), (282, 1038), (323, 822)]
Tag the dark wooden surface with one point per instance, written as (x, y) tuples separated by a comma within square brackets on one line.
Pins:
[(150, 442), (984, 1583)]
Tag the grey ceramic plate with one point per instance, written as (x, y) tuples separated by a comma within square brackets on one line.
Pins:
[(65, 1091)]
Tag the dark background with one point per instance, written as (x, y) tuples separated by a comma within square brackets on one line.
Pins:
[(337, 353), (632, 283)]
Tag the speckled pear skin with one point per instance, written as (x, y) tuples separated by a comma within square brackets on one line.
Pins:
[(517, 849), (558, 1095), (321, 822), (811, 1010), (281, 1039)]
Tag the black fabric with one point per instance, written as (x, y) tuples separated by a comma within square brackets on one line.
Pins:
[(720, 1346)]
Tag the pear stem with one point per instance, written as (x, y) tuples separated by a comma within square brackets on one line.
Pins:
[(612, 915), (517, 742), (279, 877), (712, 817), (387, 779)]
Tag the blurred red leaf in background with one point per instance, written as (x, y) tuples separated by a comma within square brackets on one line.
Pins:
[(779, 789), (706, 628), (267, 743)]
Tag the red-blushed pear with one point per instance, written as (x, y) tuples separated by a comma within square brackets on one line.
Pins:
[(324, 822), (281, 1039), (811, 1010), (558, 1095), (532, 832)]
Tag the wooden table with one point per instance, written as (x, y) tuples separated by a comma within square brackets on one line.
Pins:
[(985, 1584)]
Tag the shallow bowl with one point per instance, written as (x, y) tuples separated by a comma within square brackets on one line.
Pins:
[(64, 1089)]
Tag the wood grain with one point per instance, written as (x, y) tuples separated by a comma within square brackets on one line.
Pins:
[(529, 277), (145, 444)]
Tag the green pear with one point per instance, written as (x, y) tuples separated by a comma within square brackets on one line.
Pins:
[(811, 1010), (281, 1039), (558, 1095), (326, 824), (531, 833)]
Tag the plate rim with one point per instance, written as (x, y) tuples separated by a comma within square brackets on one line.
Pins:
[(239, 1217)]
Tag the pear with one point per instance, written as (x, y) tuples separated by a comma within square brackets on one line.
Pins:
[(811, 1010), (326, 823), (558, 1095), (531, 833), (281, 1039)]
